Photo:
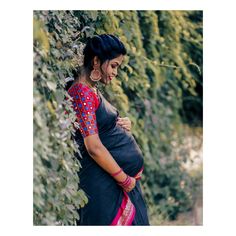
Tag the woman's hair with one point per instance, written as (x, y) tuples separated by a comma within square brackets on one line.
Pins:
[(105, 47)]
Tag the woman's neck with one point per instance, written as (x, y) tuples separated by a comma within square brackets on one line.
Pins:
[(84, 78)]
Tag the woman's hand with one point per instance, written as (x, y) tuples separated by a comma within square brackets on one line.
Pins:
[(131, 185), (125, 123)]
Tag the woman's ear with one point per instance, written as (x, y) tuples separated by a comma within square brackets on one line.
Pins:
[(96, 62)]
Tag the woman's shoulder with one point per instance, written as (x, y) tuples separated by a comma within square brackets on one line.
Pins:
[(81, 92), (78, 87), (81, 89)]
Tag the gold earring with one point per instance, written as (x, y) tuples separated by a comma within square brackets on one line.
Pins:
[(95, 75)]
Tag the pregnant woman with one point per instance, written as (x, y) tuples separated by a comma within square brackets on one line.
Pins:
[(112, 162)]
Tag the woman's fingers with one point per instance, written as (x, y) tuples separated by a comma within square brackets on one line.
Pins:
[(127, 127), (131, 186), (125, 120), (124, 123)]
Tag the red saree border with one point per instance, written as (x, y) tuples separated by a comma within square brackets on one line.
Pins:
[(126, 212)]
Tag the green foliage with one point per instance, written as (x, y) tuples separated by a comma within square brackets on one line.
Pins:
[(56, 192), (159, 87)]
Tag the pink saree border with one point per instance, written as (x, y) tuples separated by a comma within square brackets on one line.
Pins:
[(126, 212)]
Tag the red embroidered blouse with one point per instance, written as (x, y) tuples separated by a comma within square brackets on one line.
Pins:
[(85, 103)]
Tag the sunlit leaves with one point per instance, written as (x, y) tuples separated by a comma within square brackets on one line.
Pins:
[(55, 169)]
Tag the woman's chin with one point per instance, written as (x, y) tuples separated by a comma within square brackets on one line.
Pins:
[(106, 81)]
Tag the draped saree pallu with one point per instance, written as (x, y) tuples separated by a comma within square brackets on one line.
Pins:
[(125, 213), (108, 203)]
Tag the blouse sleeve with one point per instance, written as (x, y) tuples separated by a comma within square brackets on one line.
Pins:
[(85, 105)]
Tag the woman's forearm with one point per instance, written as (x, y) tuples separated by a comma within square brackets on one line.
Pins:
[(105, 160)]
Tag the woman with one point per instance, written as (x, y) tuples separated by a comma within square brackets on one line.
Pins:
[(112, 162)]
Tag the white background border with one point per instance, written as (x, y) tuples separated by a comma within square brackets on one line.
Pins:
[(17, 126)]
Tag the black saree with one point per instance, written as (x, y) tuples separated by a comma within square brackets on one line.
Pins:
[(108, 204)]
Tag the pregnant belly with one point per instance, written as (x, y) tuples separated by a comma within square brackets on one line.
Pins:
[(124, 150)]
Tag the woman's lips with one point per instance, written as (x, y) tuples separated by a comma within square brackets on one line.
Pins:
[(110, 78)]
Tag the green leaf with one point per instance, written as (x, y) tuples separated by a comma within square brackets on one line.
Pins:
[(59, 96), (51, 85)]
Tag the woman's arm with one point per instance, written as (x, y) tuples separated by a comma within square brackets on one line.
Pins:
[(104, 159), (85, 104)]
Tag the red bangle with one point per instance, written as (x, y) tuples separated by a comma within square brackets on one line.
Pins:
[(126, 182), (116, 173), (123, 182)]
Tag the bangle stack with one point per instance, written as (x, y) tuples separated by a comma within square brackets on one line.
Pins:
[(125, 183)]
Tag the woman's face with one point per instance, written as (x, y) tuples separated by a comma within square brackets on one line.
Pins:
[(109, 69)]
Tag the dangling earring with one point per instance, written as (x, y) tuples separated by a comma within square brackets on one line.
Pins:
[(95, 75)]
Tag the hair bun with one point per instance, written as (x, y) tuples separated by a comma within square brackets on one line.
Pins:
[(96, 45)]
